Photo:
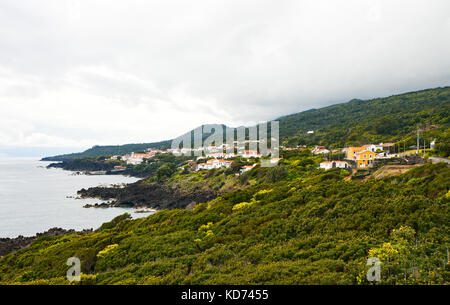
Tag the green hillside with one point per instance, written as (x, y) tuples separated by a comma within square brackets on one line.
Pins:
[(288, 224), (110, 150), (292, 224), (388, 119), (378, 120)]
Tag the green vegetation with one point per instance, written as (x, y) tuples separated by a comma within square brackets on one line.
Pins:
[(310, 227), (109, 150), (390, 119), (289, 224), (163, 165), (99, 163)]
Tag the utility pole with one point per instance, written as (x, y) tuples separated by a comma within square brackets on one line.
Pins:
[(418, 143), (424, 147)]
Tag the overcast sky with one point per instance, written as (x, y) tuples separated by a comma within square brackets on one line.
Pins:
[(78, 73)]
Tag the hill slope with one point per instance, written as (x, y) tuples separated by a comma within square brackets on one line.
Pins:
[(109, 151), (355, 122), (311, 227), (376, 120)]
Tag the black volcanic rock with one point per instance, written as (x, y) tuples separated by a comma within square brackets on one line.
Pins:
[(84, 165), (155, 195), (8, 245)]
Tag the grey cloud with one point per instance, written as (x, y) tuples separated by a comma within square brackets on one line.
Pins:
[(228, 61)]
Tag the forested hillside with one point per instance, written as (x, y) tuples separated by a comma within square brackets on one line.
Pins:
[(110, 150), (372, 121), (356, 122), (291, 224)]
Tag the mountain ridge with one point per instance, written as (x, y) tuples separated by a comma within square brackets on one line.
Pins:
[(353, 122)]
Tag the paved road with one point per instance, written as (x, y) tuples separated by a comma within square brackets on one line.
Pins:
[(439, 159)]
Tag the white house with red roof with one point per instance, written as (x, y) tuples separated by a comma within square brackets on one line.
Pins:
[(247, 168), (137, 158), (334, 164), (251, 154), (320, 150), (214, 163)]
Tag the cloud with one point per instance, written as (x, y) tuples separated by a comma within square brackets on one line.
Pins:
[(79, 73)]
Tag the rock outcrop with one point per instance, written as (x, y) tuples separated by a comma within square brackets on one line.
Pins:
[(8, 245), (155, 195)]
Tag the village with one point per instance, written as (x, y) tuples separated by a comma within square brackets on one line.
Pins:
[(212, 157)]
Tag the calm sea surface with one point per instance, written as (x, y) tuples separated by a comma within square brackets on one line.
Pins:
[(33, 198)]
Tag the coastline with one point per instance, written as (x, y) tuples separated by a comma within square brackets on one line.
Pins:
[(35, 199), (10, 245), (95, 168)]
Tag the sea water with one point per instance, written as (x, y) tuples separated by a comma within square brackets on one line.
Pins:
[(34, 199)]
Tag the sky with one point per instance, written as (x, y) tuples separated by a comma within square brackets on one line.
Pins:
[(77, 73)]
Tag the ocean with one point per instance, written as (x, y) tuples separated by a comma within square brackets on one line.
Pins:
[(34, 199)]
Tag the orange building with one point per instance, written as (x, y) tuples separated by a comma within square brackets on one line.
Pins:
[(365, 158), (351, 152)]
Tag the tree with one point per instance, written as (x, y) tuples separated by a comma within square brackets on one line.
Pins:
[(165, 171)]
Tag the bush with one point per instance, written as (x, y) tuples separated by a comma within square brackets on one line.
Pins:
[(276, 173)]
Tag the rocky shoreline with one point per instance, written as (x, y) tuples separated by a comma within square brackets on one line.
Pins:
[(155, 195), (91, 167), (9, 245)]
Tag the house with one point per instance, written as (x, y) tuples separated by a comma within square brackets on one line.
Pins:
[(212, 149), (155, 151), (251, 154), (310, 132), (274, 160), (382, 150), (134, 161), (378, 149), (318, 147), (180, 151), (229, 155), (201, 166), (214, 163), (351, 152), (365, 158), (341, 164), (326, 165), (220, 163), (320, 150), (214, 155), (221, 155), (125, 157), (192, 164), (186, 151), (373, 148), (334, 164), (387, 147), (247, 168), (136, 158), (119, 168)]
